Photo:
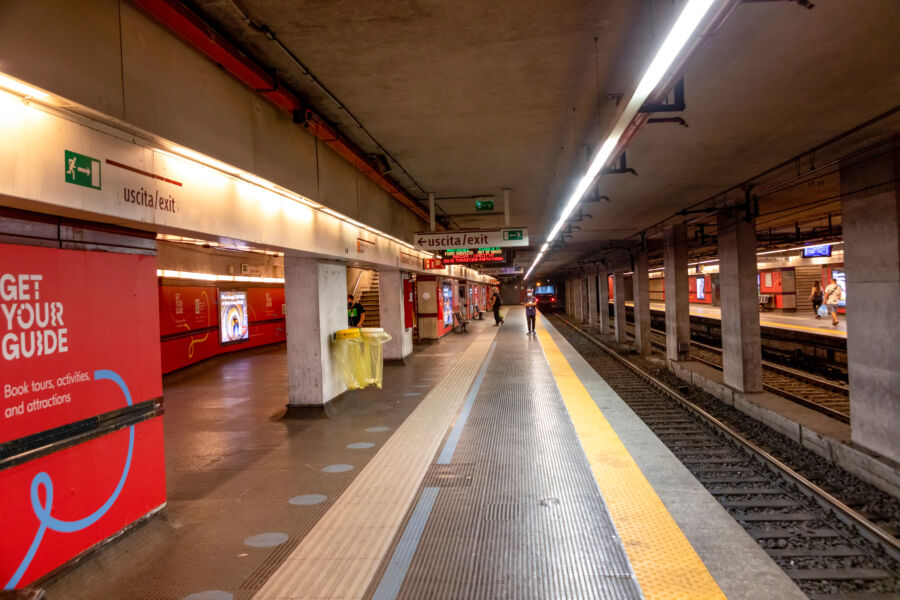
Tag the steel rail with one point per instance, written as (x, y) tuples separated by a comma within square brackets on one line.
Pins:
[(869, 529)]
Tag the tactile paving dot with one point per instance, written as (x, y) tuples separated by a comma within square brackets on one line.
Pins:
[(308, 499), (377, 429), (266, 540), (360, 445), (337, 468), (210, 595)]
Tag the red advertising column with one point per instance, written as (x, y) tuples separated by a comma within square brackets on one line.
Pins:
[(79, 338)]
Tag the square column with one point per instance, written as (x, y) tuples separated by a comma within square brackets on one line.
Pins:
[(592, 300), (569, 309), (678, 318), (391, 306), (871, 227), (603, 296), (578, 300), (619, 306), (315, 294), (641, 284), (741, 344)]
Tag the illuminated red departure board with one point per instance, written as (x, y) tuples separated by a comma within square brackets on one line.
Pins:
[(474, 255)]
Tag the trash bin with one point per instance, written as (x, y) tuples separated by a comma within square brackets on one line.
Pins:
[(348, 354), (373, 338)]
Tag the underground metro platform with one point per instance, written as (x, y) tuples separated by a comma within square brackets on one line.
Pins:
[(266, 275)]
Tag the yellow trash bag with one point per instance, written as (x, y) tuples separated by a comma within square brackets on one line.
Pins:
[(373, 338), (347, 350)]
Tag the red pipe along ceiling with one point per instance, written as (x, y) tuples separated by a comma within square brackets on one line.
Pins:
[(202, 37)]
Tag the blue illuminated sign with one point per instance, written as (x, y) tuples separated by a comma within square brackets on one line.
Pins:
[(814, 251)]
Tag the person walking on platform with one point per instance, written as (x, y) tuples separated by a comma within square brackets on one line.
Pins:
[(496, 303), (356, 312), (816, 298), (530, 311), (833, 295)]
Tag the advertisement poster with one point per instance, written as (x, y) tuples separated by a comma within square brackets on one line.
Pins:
[(233, 322), (65, 314), (79, 334), (447, 303), (701, 288)]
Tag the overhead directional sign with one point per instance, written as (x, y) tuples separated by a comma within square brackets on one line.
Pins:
[(501, 271), (484, 205), (473, 238)]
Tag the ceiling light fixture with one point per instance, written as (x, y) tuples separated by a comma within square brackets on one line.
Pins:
[(684, 27), (25, 90)]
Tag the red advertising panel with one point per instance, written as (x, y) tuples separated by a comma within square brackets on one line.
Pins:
[(409, 306), (434, 263), (57, 506), (186, 308), (65, 315), (265, 303)]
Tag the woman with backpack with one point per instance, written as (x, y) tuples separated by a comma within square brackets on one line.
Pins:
[(816, 297)]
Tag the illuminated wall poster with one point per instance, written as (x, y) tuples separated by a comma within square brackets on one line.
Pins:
[(233, 322)]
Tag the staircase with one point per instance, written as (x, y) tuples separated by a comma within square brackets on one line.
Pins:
[(369, 299)]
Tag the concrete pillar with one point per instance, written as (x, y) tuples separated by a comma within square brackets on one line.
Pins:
[(592, 300), (741, 347), (315, 294), (619, 306), (678, 318), (871, 228), (641, 284), (603, 317), (568, 297), (390, 305), (578, 287)]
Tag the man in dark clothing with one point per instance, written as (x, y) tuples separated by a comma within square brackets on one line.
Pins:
[(356, 312), (496, 303), (530, 311)]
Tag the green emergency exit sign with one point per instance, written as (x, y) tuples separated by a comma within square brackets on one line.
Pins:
[(513, 234), (82, 170), (484, 205)]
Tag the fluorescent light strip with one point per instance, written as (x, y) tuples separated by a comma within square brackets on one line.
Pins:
[(24, 90), (684, 27), (168, 274)]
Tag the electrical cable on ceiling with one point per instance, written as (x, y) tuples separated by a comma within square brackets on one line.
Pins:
[(270, 35)]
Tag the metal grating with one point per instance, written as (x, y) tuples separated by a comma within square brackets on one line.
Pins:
[(531, 522), (452, 475)]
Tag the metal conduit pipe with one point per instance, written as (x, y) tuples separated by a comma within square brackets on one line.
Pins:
[(193, 30)]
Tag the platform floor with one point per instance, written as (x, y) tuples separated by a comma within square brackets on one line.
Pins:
[(492, 465), (802, 320)]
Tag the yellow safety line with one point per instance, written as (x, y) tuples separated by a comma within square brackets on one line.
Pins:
[(834, 332), (665, 563)]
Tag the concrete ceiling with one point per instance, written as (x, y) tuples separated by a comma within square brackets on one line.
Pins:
[(472, 97)]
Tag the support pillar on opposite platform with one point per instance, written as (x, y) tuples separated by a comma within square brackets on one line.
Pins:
[(578, 291), (678, 318), (619, 306), (603, 316), (315, 294), (592, 299), (641, 283), (741, 345), (871, 226)]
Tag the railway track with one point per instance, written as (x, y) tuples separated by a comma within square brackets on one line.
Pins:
[(829, 549), (828, 397)]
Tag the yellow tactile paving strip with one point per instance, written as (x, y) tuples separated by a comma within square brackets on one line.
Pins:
[(342, 553), (664, 562)]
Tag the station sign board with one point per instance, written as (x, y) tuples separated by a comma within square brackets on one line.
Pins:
[(511, 237), (501, 271), (456, 256)]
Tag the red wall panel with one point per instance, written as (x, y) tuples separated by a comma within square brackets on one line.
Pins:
[(75, 484)]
